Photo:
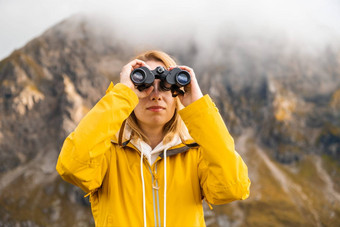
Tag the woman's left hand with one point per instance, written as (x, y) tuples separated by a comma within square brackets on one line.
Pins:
[(192, 91)]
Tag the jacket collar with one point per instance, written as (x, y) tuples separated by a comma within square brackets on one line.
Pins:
[(180, 148), (174, 147)]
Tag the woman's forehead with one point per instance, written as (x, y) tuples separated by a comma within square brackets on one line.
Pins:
[(153, 64)]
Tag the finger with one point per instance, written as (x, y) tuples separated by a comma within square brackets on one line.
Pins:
[(187, 88), (149, 90), (139, 63), (181, 98), (146, 92), (185, 68), (136, 63)]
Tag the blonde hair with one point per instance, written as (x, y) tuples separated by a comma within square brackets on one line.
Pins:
[(175, 125)]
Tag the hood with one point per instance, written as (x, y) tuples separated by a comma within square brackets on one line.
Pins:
[(146, 150)]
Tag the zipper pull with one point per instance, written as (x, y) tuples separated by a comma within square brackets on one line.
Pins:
[(155, 180)]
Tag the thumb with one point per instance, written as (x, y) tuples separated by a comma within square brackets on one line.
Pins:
[(145, 93)]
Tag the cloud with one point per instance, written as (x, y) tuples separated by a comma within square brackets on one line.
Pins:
[(313, 22)]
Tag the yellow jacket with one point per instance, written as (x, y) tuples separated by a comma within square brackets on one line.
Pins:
[(124, 194)]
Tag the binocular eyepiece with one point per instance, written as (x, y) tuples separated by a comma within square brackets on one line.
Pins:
[(172, 80)]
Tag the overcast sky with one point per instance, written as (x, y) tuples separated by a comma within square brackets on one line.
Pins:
[(307, 20)]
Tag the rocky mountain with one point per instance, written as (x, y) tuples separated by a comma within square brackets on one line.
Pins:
[(281, 103)]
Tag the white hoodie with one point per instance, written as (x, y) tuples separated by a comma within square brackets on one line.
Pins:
[(149, 153)]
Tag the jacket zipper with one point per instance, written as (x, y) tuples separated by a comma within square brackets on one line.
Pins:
[(157, 197), (154, 175)]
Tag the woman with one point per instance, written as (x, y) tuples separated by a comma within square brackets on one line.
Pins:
[(141, 165)]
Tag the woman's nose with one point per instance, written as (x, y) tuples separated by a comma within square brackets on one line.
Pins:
[(156, 94)]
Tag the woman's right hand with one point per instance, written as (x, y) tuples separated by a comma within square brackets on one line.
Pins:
[(125, 77)]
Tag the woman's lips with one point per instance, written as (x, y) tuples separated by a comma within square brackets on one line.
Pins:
[(155, 108)]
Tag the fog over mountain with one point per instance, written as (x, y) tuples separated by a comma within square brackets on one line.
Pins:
[(279, 94), (312, 22)]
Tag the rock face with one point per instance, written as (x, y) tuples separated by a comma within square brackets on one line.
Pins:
[(283, 107), (46, 88)]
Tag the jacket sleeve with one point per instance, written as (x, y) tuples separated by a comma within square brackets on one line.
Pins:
[(223, 174), (84, 157)]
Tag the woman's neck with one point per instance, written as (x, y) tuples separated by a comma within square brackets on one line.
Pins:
[(154, 134)]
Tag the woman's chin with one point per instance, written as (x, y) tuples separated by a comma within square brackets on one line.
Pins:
[(156, 121)]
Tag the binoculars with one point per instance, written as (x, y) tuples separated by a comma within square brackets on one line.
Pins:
[(172, 80)]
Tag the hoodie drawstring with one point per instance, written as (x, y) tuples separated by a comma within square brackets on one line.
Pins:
[(165, 185), (142, 175)]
